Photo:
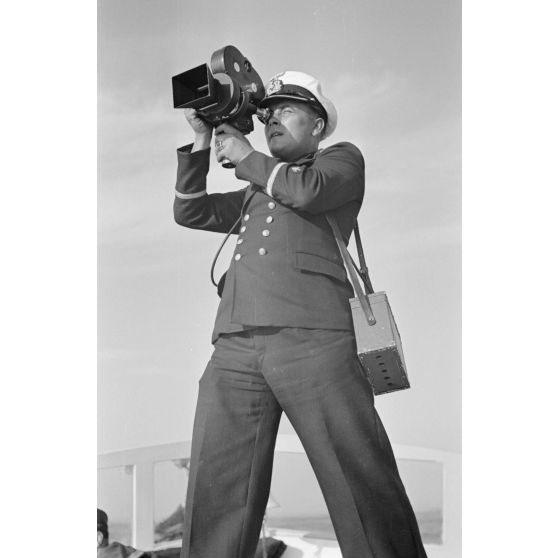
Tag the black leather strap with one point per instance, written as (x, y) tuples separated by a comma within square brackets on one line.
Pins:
[(351, 270), (363, 269), (212, 272)]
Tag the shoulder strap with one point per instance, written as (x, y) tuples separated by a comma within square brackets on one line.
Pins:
[(363, 272), (351, 269)]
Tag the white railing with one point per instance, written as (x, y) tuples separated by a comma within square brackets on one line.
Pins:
[(142, 460)]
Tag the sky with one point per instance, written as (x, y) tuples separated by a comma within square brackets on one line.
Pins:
[(393, 70)]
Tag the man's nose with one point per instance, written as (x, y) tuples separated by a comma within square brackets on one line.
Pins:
[(274, 117)]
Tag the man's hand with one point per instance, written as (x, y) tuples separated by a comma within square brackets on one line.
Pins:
[(231, 144), (202, 130)]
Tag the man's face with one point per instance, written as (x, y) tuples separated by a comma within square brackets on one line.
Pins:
[(291, 131)]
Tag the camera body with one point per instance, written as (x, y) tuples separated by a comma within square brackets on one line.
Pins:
[(228, 90)]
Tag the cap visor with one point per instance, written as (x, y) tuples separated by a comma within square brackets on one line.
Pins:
[(282, 97)]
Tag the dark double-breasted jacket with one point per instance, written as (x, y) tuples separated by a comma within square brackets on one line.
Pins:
[(286, 270)]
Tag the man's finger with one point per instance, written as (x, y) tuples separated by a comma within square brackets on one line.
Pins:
[(225, 128)]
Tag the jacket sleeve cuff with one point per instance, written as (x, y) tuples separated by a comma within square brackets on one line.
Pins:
[(186, 151), (259, 169), (191, 173)]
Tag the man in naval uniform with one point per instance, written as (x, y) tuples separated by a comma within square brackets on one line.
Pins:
[(283, 337)]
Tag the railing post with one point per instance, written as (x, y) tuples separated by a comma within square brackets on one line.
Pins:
[(451, 533), (143, 516)]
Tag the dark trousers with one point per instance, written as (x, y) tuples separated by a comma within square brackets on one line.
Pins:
[(314, 377)]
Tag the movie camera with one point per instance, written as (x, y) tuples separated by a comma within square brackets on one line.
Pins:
[(228, 90)]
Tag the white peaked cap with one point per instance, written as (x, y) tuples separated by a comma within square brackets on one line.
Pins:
[(301, 87)]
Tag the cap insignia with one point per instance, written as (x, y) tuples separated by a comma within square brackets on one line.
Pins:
[(274, 85)]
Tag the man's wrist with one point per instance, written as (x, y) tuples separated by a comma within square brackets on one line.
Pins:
[(201, 141), (249, 151)]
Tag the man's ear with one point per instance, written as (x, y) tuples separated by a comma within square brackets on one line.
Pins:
[(319, 127), (100, 538)]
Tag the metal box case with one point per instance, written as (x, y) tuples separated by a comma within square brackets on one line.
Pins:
[(379, 346)]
